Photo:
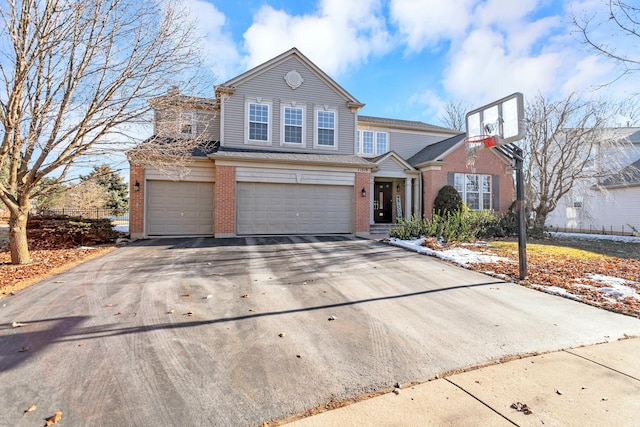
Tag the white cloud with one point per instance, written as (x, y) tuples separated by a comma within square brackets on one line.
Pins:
[(219, 49), (427, 22), (339, 35)]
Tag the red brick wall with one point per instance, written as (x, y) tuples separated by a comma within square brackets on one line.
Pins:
[(136, 200), (487, 163), (225, 201), (362, 204)]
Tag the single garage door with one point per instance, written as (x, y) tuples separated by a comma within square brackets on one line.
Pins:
[(293, 209), (179, 208)]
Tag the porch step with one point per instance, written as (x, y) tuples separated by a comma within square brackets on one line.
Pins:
[(381, 229)]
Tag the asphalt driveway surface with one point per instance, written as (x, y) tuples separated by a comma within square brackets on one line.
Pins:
[(111, 342)]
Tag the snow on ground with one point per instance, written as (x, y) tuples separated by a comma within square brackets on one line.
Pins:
[(627, 239), (615, 288), (121, 228), (459, 256)]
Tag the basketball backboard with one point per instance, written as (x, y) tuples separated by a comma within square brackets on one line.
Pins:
[(502, 119)]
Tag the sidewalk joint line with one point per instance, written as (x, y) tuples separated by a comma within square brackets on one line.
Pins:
[(604, 366), (482, 402)]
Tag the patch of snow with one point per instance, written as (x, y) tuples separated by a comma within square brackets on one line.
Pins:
[(85, 247), (558, 291), (627, 239), (121, 228), (459, 256), (608, 280)]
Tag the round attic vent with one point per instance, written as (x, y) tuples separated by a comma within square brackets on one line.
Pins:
[(293, 79)]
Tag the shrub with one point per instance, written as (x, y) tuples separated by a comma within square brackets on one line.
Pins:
[(447, 201), (461, 226), (62, 230)]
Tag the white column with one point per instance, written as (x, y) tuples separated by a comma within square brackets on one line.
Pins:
[(372, 195), (416, 196), (407, 198)]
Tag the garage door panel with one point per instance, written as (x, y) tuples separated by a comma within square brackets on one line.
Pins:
[(293, 209), (179, 208)]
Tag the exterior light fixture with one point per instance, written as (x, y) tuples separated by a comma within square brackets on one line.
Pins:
[(136, 186), (363, 192), (397, 188)]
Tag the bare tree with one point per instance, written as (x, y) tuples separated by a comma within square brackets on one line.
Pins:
[(454, 115), (622, 21), (565, 141), (76, 76)]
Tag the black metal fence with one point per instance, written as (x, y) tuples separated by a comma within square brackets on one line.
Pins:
[(607, 231), (95, 213)]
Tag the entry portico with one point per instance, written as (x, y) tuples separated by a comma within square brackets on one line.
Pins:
[(394, 188)]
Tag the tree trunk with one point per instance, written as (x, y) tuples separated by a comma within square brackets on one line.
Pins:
[(538, 224), (18, 236)]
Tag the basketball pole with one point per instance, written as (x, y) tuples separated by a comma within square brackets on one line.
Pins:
[(516, 153)]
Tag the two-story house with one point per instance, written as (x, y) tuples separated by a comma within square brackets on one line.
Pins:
[(289, 154)]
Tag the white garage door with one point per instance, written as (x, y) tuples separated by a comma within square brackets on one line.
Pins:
[(294, 209), (179, 208)]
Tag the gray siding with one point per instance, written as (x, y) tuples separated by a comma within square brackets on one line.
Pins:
[(207, 124), (391, 168), (271, 86), (406, 143)]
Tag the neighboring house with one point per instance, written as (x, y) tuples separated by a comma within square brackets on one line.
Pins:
[(287, 153), (612, 202)]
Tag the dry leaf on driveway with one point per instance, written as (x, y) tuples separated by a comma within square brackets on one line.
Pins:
[(57, 416), (30, 409)]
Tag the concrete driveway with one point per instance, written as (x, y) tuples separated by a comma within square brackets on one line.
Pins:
[(102, 347)]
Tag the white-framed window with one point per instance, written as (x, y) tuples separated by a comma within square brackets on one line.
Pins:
[(292, 131), (186, 124), (326, 125), (372, 143), (258, 125), (358, 141), (367, 142), (475, 190)]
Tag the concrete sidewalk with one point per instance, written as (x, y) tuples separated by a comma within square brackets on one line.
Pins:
[(589, 386)]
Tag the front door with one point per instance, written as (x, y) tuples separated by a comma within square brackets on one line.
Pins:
[(382, 203)]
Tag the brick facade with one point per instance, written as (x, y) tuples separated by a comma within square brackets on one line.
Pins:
[(225, 202), (362, 204), (487, 163), (136, 200)]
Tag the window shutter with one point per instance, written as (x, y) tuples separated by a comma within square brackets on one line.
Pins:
[(495, 188), (450, 178)]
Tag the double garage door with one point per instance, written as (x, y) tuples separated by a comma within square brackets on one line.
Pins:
[(179, 208), (293, 209)]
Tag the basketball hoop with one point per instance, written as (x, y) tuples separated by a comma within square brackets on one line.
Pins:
[(475, 143)]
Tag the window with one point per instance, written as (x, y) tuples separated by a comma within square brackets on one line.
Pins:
[(326, 128), (367, 142), (358, 141), (258, 121), (381, 143), (292, 125), (474, 189), (186, 125), (372, 143)]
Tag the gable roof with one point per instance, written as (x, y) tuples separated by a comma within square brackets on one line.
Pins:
[(229, 85), (435, 151), (391, 155), (624, 177), (404, 124)]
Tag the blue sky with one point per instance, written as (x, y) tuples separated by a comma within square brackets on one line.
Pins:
[(406, 59)]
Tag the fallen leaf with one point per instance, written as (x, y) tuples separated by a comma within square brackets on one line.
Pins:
[(118, 313), (23, 349), (171, 311), (18, 324), (252, 310), (208, 296), (186, 295), (189, 313), (281, 334), (332, 318), (81, 344), (522, 407), (245, 295), (30, 409), (57, 416)]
